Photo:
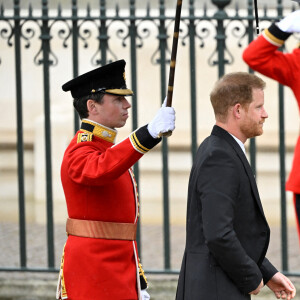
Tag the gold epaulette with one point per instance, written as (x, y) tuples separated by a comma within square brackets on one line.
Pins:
[(84, 137)]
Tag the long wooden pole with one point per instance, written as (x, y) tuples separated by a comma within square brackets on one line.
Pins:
[(173, 60), (256, 16), (174, 53)]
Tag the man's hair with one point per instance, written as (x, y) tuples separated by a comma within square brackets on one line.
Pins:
[(231, 89), (80, 104)]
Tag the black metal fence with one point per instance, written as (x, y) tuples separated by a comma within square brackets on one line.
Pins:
[(19, 28)]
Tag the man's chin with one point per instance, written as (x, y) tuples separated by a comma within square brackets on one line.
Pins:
[(255, 134), (259, 132), (122, 124)]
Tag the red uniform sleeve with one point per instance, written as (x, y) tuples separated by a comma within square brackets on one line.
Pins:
[(87, 164), (91, 163), (262, 55)]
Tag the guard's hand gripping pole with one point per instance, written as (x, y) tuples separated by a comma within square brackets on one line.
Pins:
[(173, 60)]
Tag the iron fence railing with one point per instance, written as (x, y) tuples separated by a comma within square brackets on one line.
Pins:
[(15, 29)]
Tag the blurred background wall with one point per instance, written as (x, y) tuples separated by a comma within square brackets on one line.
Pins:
[(148, 96)]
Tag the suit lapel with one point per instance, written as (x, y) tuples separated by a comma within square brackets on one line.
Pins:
[(220, 132)]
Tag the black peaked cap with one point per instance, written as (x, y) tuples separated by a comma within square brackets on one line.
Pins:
[(106, 79)]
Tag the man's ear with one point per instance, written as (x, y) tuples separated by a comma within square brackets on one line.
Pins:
[(237, 110), (90, 104)]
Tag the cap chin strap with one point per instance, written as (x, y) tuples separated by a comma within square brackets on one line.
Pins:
[(99, 90)]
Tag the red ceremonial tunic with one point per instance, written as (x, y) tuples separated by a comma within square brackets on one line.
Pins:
[(262, 55), (99, 185)]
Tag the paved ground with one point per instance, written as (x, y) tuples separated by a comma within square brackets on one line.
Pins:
[(161, 286)]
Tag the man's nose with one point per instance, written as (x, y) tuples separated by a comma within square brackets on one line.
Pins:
[(265, 114), (127, 104)]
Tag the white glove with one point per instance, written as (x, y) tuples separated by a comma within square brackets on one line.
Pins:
[(291, 23), (163, 121), (145, 295)]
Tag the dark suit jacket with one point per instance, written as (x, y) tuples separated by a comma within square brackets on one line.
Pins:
[(227, 232)]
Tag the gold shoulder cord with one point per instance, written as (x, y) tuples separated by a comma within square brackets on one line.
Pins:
[(61, 292), (142, 273)]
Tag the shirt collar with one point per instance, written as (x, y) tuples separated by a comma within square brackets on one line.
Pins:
[(240, 143)]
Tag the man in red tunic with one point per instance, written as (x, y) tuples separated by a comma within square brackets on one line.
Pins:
[(262, 55), (100, 259)]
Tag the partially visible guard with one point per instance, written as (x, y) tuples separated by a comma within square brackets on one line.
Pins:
[(263, 55)]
